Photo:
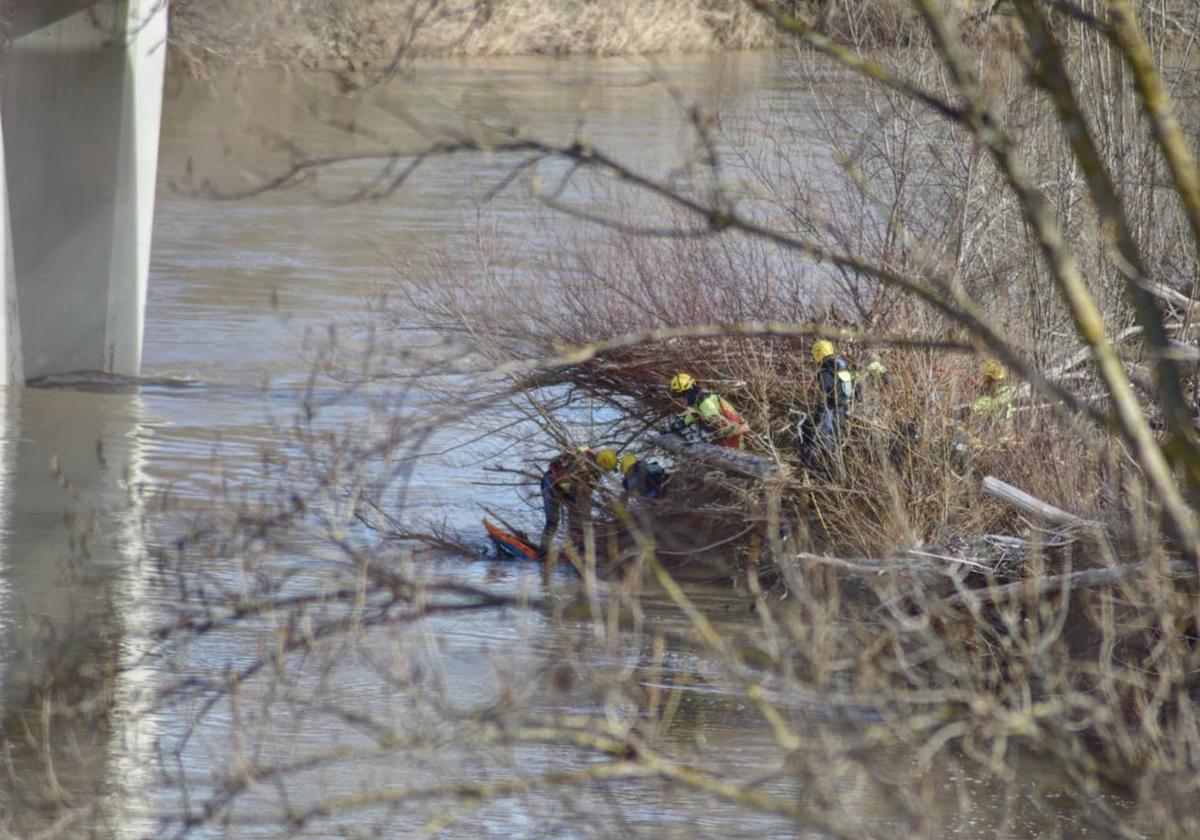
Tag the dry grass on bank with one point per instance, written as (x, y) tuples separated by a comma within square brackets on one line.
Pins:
[(368, 36), (361, 35)]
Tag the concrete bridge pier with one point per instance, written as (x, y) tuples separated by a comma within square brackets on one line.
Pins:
[(11, 369), (81, 111)]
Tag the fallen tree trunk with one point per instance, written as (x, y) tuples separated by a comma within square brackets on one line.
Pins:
[(1019, 498), (721, 457), (1055, 583)]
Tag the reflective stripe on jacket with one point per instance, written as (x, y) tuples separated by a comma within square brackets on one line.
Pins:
[(712, 406), (1001, 401), (836, 381)]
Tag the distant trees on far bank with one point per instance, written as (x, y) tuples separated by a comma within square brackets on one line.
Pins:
[(374, 38)]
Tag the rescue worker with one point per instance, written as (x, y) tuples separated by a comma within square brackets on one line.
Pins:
[(986, 422), (994, 405), (869, 384), (837, 391), (875, 371), (642, 478), (566, 487), (606, 460), (720, 422)]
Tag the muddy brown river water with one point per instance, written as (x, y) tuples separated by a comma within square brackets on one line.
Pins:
[(238, 290)]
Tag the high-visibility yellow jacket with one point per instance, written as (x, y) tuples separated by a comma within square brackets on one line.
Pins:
[(996, 409), (718, 414)]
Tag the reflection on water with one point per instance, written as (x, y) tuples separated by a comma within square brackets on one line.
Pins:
[(237, 291), (74, 606)]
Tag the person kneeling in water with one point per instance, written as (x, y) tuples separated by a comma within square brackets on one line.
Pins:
[(566, 487)]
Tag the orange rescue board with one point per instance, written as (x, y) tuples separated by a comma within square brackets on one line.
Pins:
[(509, 544)]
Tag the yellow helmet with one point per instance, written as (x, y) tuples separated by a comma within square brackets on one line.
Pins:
[(606, 460), (681, 382), (627, 462), (993, 370), (822, 350)]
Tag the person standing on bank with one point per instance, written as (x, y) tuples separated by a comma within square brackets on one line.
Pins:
[(837, 391)]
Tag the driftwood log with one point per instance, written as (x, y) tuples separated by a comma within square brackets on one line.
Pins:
[(1055, 583), (1030, 504), (721, 457)]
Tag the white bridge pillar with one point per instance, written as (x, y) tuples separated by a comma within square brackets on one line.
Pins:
[(81, 110), (11, 369)]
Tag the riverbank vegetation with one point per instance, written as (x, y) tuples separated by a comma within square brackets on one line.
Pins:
[(373, 37), (370, 39)]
